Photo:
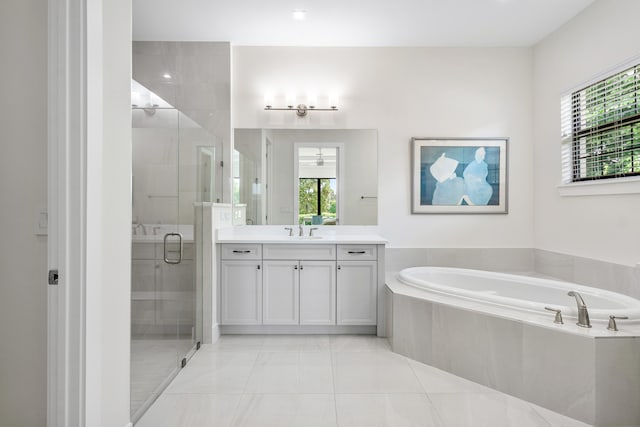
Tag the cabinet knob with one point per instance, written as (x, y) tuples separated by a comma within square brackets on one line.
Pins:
[(258, 266), (301, 267), (295, 267), (339, 268)]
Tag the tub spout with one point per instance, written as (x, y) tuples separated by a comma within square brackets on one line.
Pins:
[(583, 314)]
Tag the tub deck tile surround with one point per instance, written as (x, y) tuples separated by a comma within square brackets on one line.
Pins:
[(593, 379), (227, 384), (474, 347)]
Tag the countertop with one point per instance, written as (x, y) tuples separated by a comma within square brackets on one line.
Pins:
[(327, 235)]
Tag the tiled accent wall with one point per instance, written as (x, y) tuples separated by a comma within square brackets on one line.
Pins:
[(492, 259), (585, 271)]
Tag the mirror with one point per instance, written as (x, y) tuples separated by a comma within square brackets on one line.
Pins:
[(278, 175)]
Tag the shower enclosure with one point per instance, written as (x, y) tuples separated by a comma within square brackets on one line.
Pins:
[(174, 174)]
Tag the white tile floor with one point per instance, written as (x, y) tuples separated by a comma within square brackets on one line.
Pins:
[(320, 380)]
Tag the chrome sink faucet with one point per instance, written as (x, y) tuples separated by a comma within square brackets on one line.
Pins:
[(311, 231), (301, 233), (144, 229), (583, 314), (290, 230)]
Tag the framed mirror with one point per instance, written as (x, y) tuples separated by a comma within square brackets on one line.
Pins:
[(305, 176)]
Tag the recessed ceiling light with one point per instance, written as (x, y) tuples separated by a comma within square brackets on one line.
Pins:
[(166, 75), (299, 14)]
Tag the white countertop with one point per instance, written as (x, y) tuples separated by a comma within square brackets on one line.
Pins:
[(278, 235), (341, 239)]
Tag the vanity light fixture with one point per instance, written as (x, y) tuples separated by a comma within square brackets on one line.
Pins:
[(301, 109)]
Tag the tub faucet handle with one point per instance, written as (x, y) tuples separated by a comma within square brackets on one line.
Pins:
[(290, 230), (612, 322), (558, 318)]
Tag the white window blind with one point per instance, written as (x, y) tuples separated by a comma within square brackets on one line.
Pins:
[(601, 129)]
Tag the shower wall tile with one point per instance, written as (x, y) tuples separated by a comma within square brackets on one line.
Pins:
[(618, 389), (414, 316), (558, 372)]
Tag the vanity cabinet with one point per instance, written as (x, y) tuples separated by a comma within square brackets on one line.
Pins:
[(301, 285), (281, 286), (357, 285), (241, 285), (317, 293)]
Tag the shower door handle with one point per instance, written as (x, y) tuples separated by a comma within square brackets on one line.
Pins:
[(166, 252)]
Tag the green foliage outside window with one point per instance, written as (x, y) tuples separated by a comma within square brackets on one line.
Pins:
[(606, 127), (308, 199)]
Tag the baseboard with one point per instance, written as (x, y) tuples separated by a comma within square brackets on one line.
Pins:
[(298, 329)]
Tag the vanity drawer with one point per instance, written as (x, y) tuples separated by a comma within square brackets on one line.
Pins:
[(300, 252), (241, 251), (357, 252)]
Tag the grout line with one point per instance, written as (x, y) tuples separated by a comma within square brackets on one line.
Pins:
[(333, 383)]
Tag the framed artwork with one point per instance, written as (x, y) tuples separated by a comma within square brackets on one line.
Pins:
[(459, 175)]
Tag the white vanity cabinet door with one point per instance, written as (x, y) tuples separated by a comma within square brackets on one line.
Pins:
[(280, 293), (317, 292), (241, 292), (357, 290)]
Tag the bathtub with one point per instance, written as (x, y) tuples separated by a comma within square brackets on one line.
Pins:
[(492, 328), (518, 293)]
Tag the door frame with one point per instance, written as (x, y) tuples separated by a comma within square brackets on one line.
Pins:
[(67, 207), (80, 117)]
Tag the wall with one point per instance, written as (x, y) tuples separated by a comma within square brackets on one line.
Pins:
[(165, 166), (600, 227), (23, 165), (109, 222), (199, 87), (406, 92)]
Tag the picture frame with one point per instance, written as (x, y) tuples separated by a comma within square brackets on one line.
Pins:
[(459, 175)]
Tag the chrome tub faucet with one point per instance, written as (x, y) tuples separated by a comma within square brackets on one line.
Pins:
[(583, 314)]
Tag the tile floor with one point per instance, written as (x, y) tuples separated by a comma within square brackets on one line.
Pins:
[(152, 361), (320, 380)]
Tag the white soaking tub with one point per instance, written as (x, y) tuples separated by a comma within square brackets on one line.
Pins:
[(520, 293), (493, 329)]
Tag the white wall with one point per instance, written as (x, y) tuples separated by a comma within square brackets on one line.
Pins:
[(23, 187), (406, 92), (600, 227), (108, 401)]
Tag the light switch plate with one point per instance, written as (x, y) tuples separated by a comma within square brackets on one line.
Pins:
[(41, 222)]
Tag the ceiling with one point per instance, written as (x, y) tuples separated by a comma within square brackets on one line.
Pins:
[(354, 22)]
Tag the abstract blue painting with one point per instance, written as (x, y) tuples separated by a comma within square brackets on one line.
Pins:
[(459, 175)]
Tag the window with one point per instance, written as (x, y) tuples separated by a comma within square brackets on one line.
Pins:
[(601, 129), (317, 198)]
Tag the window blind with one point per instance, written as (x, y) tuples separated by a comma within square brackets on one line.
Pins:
[(601, 128)]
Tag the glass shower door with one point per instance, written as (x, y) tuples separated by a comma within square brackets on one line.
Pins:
[(165, 300)]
